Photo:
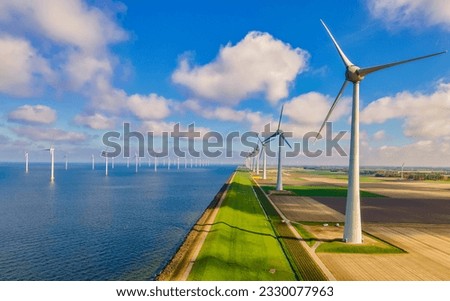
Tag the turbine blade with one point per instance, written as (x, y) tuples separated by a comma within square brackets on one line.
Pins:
[(281, 115), (344, 58), (285, 140), (270, 137), (333, 106), (365, 71)]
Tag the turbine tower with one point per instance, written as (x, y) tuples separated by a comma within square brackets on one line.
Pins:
[(355, 74), (264, 154), (66, 157), (26, 162), (106, 155), (281, 138), (52, 164), (93, 162)]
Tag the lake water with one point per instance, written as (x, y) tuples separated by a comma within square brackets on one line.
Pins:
[(86, 226)]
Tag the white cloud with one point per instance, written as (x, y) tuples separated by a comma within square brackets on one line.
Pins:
[(255, 120), (96, 121), (82, 69), (425, 116), (159, 127), (149, 107), (19, 64), (257, 64), (412, 12), (379, 135), (311, 109), (71, 34), (48, 134), (66, 22), (33, 114), (420, 153)]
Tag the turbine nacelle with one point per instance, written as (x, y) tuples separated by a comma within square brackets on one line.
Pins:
[(352, 74)]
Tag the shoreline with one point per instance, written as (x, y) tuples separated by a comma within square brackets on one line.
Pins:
[(178, 267)]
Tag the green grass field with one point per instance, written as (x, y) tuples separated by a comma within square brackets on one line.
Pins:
[(324, 191), (242, 244)]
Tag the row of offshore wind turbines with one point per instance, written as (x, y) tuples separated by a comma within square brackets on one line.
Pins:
[(106, 155), (353, 74)]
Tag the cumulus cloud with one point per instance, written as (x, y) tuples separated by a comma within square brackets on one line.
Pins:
[(255, 120), (419, 153), (48, 134), (19, 66), (379, 135), (311, 108), (412, 12), (149, 107), (95, 121), (159, 127), (73, 35), (38, 114), (425, 116), (257, 64), (65, 22)]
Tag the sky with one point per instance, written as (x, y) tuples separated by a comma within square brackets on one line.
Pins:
[(73, 70)]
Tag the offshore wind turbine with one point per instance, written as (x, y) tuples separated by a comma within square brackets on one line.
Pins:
[(26, 162), (52, 163), (136, 159), (355, 74), (281, 138), (93, 162), (156, 164), (106, 155), (66, 157)]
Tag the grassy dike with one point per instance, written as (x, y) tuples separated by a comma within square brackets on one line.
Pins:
[(241, 244)]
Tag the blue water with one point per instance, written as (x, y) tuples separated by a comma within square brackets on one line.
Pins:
[(86, 226)]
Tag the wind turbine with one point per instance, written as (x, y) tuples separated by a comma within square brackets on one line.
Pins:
[(66, 157), (106, 155), (281, 138), (93, 162), (264, 154), (136, 158), (52, 166), (355, 74), (112, 162), (156, 164), (26, 162)]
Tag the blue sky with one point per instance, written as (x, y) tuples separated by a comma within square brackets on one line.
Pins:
[(73, 70)]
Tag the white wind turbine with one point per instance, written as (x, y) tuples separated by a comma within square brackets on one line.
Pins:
[(93, 161), (66, 157), (52, 166), (281, 138), (355, 74), (26, 162), (106, 155), (136, 159), (264, 154), (156, 164)]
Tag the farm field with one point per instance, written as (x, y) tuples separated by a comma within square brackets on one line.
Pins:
[(411, 217)]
